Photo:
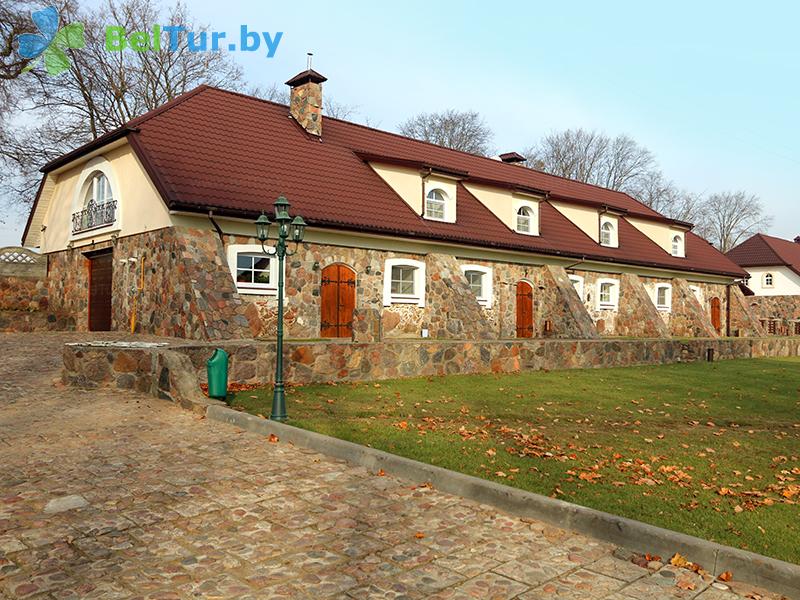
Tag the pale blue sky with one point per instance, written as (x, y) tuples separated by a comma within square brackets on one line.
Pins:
[(711, 89)]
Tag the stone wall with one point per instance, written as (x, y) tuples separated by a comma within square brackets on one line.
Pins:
[(779, 315), (309, 362), (23, 290), (744, 323), (688, 317), (178, 283), (181, 285)]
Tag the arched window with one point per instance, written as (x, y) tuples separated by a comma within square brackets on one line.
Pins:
[(435, 203), (607, 234), (768, 280), (98, 190), (97, 206), (677, 245), (524, 219)]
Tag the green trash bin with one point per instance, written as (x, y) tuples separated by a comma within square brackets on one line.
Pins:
[(217, 367)]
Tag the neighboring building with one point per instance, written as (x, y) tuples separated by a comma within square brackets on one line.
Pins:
[(151, 227), (773, 267), (772, 264)]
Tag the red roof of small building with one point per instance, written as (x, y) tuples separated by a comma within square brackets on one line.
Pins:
[(767, 251), (211, 149)]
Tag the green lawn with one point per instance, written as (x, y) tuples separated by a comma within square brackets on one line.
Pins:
[(712, 450)]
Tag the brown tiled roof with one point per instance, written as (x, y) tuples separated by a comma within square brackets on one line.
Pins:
[(766, 251), (216, 150)]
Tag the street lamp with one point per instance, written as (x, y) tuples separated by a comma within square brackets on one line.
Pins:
[(293, 229)]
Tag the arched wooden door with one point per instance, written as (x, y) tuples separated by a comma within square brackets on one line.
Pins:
[(524, 310), (716, 314), (337, 301)]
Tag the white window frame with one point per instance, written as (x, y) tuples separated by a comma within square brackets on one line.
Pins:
[(577, 285), (613, 304), (418, 297), (768, 281), (533, 219), (487, 285), (667, 305), (99, 164), (257, 289), (614, 232), (680, 251), (445, 201)]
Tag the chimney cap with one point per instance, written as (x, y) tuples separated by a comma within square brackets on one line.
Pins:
[(512, 157), (309, 75)]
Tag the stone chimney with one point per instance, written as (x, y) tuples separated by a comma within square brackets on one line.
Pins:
[(305, 104)]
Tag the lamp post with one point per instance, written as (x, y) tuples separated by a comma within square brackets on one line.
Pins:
[(293, 229)]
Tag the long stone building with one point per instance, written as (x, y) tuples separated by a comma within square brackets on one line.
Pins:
[(150, 228)]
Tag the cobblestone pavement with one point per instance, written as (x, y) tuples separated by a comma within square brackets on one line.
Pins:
[(105, 494)]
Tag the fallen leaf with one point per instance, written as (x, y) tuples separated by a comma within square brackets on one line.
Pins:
[(419, 535), (381, 473), (273, 439), (726, 576)]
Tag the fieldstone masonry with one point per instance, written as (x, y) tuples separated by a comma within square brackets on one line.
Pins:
[(23, 290), (163, 371), (779, 315), (178, 282)]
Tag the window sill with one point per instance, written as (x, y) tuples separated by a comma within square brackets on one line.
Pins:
[(531, 233), (404, 300), (84, 234), (273, 292), (607, 307)]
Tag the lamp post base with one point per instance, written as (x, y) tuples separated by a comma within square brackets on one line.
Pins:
[(278, 405)]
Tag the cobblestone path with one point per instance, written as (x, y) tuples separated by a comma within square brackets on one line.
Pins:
[(105, 494)]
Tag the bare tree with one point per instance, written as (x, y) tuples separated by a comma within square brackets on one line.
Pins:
[(730, 217), (102, 90), (615, 163), (459, 130), (273, 92), (664, 197), (14, 21)]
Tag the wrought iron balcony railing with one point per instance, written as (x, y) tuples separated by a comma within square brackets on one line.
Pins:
[(94, 216)]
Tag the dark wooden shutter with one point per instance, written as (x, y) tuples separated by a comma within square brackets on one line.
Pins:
[(337, 301), (100, 276), (716, 314), (524, 310)]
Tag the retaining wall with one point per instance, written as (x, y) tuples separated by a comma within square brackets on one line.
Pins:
[(316, 362)]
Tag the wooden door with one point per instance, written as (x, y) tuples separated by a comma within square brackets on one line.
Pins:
[(524, 310), (716, 314), (337, 301), (100, 273)]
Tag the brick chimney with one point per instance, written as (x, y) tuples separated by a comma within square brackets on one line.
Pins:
[(797, 240), (305, 104)]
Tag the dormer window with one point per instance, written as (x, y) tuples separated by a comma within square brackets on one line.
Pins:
[(435, 205), (524, 216), (677, 245), (95, 203), (607, 234)]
